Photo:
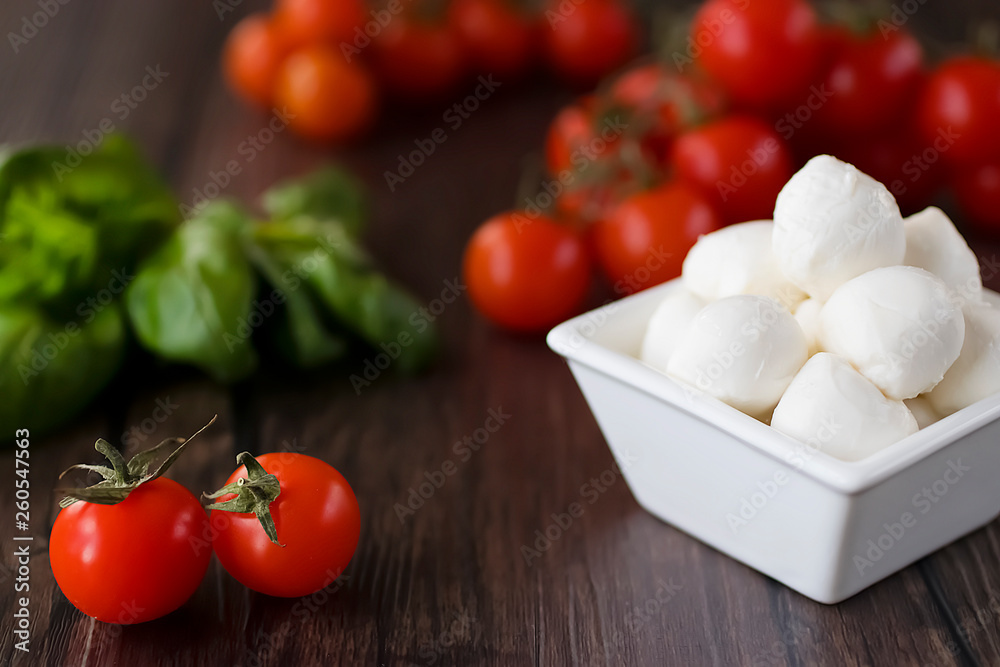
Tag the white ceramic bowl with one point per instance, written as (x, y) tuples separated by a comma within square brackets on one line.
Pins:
[(824, 527)]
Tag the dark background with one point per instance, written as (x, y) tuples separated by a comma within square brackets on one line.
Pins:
[(449, 586)]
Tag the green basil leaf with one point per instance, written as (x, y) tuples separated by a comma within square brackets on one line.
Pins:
[(191, 300), (303, 338), (340, 277), (68, 228), (330, 193)]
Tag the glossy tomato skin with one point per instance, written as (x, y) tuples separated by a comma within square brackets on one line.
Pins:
[(585, 41), (327, 98), (739, 163), (871, 83), (977, 191), (251, 58), (317, 519), (417, 60), (644, 240), (762, 53), (135, 561), (500, 39), (959, 108), (307, 22), (526, 274)]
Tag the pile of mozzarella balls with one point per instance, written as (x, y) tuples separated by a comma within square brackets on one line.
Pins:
[(840, 324)]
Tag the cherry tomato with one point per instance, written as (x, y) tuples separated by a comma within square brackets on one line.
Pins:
[(959, 110), (499, 38), (134, 561), (664, 103), (570, 136), (902, 162), (644, 240), (585, 41), (739, 163), (872, 82), (977, 191), (417, 60), (327, 98), (308, 22), (526, 274), (762, 53), (253, 53), (317, 520)]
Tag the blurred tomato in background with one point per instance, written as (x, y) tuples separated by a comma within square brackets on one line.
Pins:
[(500, 37), (526, 273), (587, 40), (418, 59), (305, 22), (253, 54), (643, 241), (871, 82), (327, 98), (762, 53), (738, 162)]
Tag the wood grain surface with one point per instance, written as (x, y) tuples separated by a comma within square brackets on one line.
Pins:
[(447, 585)]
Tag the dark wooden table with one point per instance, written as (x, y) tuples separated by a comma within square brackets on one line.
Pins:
[(449, 585)]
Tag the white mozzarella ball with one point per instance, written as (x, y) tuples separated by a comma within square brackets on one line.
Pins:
[(807, 314), (899, 327), (669, 322), (738, 260), (831, 407), (933, 243), (976, 374), (922, 411), (743, 350), (833, 223)]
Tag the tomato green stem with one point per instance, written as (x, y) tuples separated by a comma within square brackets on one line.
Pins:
[(123, 478), (254, 493)]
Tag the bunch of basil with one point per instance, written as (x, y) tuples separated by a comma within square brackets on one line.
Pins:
[(92, 252)]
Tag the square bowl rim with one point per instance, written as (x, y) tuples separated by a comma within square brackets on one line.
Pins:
[(850, 477)]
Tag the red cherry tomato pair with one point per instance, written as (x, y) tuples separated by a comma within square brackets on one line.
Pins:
[(274, 63), (144, 555)]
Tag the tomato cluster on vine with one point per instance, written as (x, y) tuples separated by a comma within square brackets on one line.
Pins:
[(328, 63), (708, 133)]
